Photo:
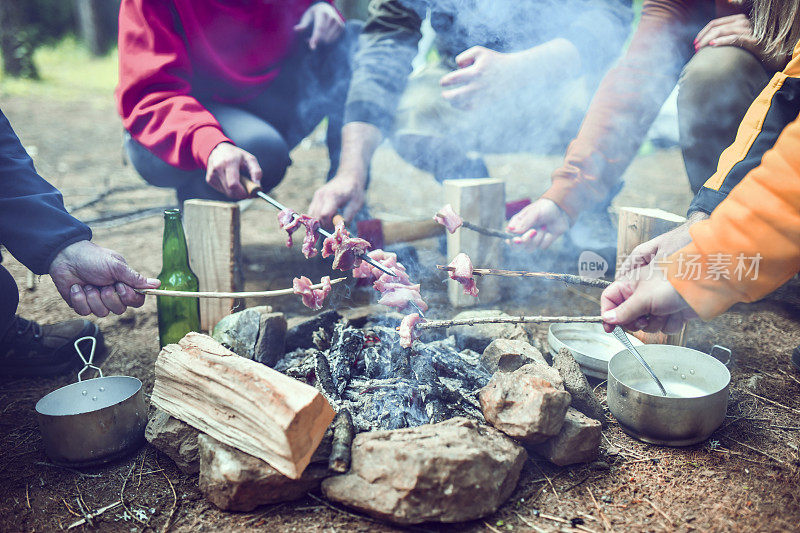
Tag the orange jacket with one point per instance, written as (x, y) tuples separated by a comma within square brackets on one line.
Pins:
[(751, 244), (629, 98)]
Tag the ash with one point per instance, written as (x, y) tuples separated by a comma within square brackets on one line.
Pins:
[(386, 386)]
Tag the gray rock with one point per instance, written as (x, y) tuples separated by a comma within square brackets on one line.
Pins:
[(523, 405), (583, 398), (239, 331), (478, 337), (577, 442), (271, 342), (452, 471), (235, 481), (176, 439), (300, 330), (506, 355)]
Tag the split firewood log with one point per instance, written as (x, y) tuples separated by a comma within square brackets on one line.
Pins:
[(241, 403)]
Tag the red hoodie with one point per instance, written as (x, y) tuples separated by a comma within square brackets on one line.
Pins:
[(231, 49)]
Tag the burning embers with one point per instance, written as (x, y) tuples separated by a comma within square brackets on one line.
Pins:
[(386, 386)]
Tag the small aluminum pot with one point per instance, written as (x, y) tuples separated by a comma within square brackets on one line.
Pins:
[(93, 421), (697, 386)]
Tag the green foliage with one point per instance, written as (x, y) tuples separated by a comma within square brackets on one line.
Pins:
[(67, 71), (47, 21)]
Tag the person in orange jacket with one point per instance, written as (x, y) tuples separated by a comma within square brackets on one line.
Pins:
[(750, 245)]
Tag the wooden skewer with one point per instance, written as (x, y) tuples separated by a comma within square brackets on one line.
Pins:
[(506, 320), (566, 278), (485, 231), (211, 294)]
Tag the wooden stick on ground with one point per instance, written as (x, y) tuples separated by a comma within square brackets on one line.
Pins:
[(343, 433), (211, 294), (566, 278), (431, 324)]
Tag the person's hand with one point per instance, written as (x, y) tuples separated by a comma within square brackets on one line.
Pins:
[(325, 22), (345, 193), (92, 279), (736, 30), (660, 246), (539, 224), (481, 74), (645, 301), (484, 75), (223, 171)]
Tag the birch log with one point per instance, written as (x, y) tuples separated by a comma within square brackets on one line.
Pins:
[(241, 403)]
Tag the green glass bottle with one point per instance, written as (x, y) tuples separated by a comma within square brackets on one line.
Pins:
[(176, 316)]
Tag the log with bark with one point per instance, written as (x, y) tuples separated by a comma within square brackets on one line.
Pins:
[(343, 433), (241, 403)]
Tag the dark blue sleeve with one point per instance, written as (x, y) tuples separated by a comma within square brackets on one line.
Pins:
[(34, 225)]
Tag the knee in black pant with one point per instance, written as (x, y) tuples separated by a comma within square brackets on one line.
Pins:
[(9, 299)]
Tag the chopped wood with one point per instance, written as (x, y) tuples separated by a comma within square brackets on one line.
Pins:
[(343, 433), (241, 403), (566, 278), (432, 324), (212, 294), (322, 370)]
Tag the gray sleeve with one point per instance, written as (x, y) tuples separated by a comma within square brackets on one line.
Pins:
[(382, 63)]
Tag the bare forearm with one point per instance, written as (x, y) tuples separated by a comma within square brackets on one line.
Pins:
[(359, 142)]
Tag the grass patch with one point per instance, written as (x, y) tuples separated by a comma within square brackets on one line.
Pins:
[(68, 71)]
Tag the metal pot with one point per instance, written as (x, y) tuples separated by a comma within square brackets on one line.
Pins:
[(697, 400), (93, 421)]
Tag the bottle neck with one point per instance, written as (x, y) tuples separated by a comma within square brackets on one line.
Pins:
[(174, 253)]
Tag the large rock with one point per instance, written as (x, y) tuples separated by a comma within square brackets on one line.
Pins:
[(300, 332), (175, 438), (523, 405), (505, 355), (235, 481), (577, 442), (240, 332), (583, 398), (271, 342), (453, 471), (477, 337)]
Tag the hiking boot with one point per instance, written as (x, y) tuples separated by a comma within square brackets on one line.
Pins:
[(32, 349)]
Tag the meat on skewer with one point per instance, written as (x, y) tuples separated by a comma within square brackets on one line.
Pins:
[(462, 273), (291, 222), (312, 298), (344, 248), (399, 295), (448, 218), (407, 330)]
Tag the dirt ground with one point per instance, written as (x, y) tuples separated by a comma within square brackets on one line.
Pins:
[(745, 478)]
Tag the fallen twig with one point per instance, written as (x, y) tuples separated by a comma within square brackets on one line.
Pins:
[(765, 454), (557, 519), (773, 402), (100, 196), (343, 433), (339, 510), (566, 278), (659, 511), (606, 523), (122, 496), (211, 294), (174, 500), (42, 463), (119, 219), (27, 495), (431, 324), (95, 514)]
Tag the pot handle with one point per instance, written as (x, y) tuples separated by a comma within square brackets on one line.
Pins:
[(87, 362), (718, 348)]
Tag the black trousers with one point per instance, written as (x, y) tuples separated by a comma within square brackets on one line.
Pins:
[(9, 299), (312, 85)]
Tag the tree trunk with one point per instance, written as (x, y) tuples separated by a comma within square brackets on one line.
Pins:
[(15, 45), (97, 23)]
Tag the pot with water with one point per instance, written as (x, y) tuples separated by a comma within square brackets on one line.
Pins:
[(697, 394)]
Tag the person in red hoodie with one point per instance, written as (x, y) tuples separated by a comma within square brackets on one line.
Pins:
[(213, 89)]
